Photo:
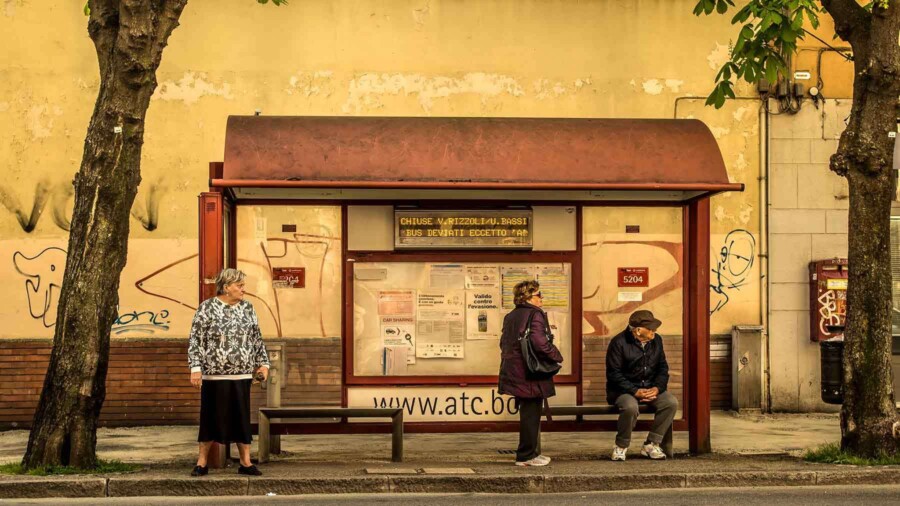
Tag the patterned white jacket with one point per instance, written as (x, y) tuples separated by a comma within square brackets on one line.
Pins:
[(225, 341)]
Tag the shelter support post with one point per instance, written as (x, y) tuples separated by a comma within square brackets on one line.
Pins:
[(698, 396)]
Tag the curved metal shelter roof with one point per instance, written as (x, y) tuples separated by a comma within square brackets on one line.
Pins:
[(474, 153)]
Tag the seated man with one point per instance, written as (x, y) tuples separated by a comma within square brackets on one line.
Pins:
[(636, 372)]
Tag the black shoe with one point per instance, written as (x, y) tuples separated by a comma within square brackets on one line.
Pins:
[(251, 470), (200, 471)]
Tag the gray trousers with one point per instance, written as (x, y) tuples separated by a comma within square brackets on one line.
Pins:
[(666, 405)]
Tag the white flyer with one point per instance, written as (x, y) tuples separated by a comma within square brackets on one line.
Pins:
[(482, 277), (399, 331), (483, 318)]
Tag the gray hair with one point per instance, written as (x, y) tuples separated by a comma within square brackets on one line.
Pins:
[(227, 277)]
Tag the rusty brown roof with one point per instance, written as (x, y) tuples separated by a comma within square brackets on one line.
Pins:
[(481, 152)]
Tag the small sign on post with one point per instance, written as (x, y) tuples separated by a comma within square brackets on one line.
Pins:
[(634, 276), (289, 277)]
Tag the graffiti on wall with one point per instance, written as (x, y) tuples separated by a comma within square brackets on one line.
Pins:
[(733, 266), (143, 322), (43, 274)]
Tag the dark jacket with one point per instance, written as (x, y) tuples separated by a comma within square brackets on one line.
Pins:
[(512, 364), (630, 367)]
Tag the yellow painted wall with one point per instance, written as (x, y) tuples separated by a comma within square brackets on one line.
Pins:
[(610, 58)]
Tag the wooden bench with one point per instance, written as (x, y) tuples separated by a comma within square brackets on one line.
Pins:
[(603, 409), (266, 416)]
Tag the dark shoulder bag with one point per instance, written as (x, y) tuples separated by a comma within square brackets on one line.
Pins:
[(537, 367)]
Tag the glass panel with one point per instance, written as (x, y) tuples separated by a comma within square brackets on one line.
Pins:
[(632, 259), (423, 319), (292, 258)]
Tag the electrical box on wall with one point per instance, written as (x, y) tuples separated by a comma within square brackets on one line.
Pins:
[(827, 298)]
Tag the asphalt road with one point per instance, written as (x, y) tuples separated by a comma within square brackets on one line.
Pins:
[(883, 495)]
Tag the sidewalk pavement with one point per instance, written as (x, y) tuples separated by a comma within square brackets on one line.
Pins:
[(758, 450)]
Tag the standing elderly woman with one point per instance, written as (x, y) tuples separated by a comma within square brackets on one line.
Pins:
[(530, 394), (225, 352)]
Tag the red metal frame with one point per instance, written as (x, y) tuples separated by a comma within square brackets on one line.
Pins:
[(350, 379), (211, 248), (698, 405), (695, 292)]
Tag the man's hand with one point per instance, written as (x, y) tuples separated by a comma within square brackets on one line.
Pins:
[(650, 394), (196, 379), (262, 373)]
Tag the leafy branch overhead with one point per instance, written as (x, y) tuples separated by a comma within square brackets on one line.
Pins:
[(769, 32)]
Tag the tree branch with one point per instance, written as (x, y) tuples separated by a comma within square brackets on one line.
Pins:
[(851, 20)]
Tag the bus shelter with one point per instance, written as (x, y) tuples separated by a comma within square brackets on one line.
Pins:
[(403, 237)]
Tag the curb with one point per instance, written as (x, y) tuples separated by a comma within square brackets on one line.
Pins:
[(494, 484)]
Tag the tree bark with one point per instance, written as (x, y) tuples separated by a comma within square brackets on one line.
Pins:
[(868, 414), (129, 36)]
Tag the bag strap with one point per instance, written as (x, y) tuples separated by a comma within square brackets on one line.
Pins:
[(527, 330), (547, 410)]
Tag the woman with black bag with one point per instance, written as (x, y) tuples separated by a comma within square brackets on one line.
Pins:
[(528, 362)]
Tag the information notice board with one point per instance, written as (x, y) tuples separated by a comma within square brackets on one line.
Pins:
[(425, 318)]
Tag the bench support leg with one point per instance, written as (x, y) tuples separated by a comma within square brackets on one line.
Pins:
[(397, 437), (666, 445), (264, 438)]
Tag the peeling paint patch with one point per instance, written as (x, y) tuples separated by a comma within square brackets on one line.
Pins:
[(719, 132), (652, 87), (581, 83), (721, 214), (746, 211), (366, 90), (311, 83), (544, 89), (718, 56), (190, 88), (674, 85), (741, 163), (420, 16), (739, 114), (34, 122)]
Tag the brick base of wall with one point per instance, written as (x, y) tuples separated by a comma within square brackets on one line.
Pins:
[(149, 381)]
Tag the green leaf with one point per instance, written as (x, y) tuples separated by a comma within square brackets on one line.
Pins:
[(87, 9)]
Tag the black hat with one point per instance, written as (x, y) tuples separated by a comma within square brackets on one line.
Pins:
[(644, 318)]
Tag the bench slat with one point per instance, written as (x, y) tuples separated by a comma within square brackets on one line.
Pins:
[(330, 412)]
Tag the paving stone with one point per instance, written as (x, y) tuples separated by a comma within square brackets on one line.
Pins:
[(866, 477), (53, 487), (585, 483), (298, 486), (388, 470), (447, 470), (201, 486), (467, 484), (751, 479)]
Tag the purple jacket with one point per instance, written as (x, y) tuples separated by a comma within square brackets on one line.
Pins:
[(512, 365)]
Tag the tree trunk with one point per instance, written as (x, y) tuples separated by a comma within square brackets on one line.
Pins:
[(129, 36), (868, 415)]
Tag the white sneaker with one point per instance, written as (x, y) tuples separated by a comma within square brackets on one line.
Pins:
[(653, 451), (618, 454), (544, 458), (535, 462)]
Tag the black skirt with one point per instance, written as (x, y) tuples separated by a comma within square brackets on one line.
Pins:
[(225, 411)]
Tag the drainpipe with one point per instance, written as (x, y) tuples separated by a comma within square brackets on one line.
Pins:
[(764, 254)]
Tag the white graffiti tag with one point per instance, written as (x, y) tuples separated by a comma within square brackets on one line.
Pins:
[(828, 311)]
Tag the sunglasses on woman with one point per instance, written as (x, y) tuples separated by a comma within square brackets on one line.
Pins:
[(538, 295)]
